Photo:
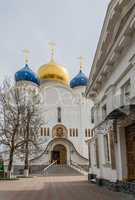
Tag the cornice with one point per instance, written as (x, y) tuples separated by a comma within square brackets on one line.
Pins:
[(109, 58), (108, 16)]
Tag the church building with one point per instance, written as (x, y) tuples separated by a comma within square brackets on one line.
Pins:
[(65, 112)]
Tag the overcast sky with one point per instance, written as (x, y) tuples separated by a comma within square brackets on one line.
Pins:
[(74, 25)]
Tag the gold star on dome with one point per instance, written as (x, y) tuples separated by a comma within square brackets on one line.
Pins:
[(26, 55)]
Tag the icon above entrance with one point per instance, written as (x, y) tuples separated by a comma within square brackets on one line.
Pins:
[(59, 131)]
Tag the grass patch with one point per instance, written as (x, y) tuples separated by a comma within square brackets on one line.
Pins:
[(21, 176), (8, 179)]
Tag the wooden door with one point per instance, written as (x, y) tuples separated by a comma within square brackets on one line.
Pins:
[(130, 142), (63, 157)]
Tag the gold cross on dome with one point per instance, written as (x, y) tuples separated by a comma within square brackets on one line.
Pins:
[(81, 58), (26, 55), (52, 46)]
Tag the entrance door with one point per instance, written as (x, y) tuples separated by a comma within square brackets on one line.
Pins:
[(56, 156), (59, 153), (130, 142)]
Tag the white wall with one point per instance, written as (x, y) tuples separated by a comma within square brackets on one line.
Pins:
[(75, 111), (111, 91)]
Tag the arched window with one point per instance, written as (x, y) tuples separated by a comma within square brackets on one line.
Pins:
[(86, 132), (41, 131), (59, 114), (76, 132), (44, 131), (92, 114), (92, 133), (73, 132), (70, 131), (48, 131)]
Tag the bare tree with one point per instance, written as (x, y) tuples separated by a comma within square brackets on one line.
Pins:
[(31, 121), (10, 119), (20, 121)]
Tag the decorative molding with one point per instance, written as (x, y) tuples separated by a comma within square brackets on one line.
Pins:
[(122, 38)]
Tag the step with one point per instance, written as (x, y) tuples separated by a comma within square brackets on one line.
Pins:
[(58, 170)]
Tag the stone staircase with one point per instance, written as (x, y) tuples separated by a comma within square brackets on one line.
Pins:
[(61, 170)]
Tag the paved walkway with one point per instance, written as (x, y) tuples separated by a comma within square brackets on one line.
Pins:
[(57, 188)]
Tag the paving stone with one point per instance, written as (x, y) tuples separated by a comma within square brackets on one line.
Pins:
[(57, 188)]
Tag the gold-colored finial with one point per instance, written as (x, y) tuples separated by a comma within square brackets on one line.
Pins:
[(52, 46), (26, 55), (81, 58)]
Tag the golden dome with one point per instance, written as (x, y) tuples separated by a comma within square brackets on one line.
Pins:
[(53, 71)]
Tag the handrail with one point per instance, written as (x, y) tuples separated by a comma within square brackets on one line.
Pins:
[(77, 165), (46, 168)]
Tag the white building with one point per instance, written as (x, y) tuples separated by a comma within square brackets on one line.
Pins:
[(112, 88), (65, 112)]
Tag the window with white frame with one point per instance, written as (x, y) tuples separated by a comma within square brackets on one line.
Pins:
[(106, 148), (126, 91), (59, 114), (92, 114), (95, 154), (104, 111)]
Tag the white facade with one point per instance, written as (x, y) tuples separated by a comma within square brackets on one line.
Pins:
[(66, 126), (75, 119), (112, 89)]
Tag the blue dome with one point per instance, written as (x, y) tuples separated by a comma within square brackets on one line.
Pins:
[(26, 74), (79, 80)]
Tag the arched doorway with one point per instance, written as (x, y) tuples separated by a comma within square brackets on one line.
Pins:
[(59, 153)]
